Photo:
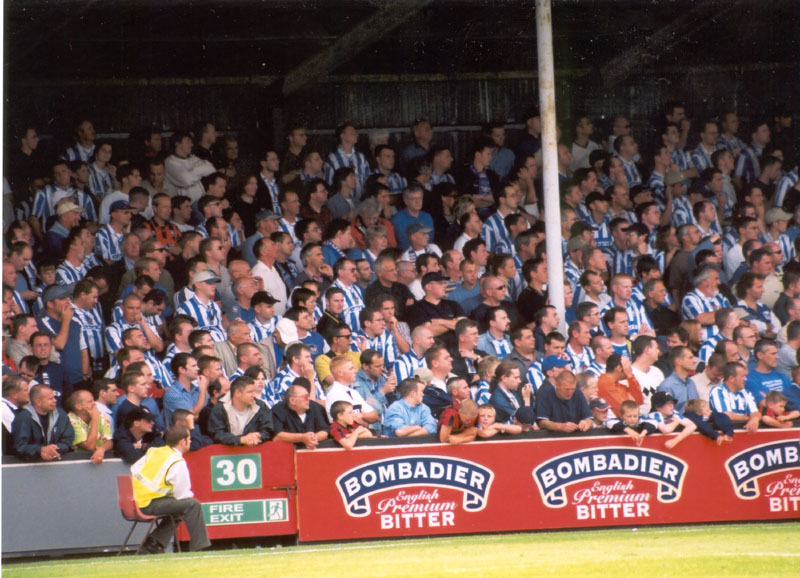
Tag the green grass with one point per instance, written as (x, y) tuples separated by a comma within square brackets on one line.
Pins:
[(729, 550)]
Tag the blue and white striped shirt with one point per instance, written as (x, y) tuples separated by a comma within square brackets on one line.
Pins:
[(67, 273), (108, 243), (208, 317), (785, 243), (694, 303), (535, 376), (573, 272), (702, 158), (44, 203), (384, 344), (602, 237), (480, 392), (496, 235), (275, 390), (353, 304), (681, 158), (358, 162), (748, 167), (707, 349), (436, 179), (161, 372), (78, 153), (723, 400), (731, 144), (631, 172), (260, 331), (92, 327), (656, 185), (637, 318), (580, 362), (595, 368), (681, 211), (785, 184), (100, 181), (172, 351), (114, 334), (394, 181), (406, 364)]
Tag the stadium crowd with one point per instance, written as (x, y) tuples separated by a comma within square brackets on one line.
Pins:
[(395, 292)]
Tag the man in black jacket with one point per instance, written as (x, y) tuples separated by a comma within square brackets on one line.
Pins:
[(239, 418), (42, 431), (299, 421)]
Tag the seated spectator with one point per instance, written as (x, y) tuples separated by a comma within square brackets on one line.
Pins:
[(630, 423), (508, 394), (240, 418), (666, 419), (93, 431), (297, 364), (699, 412), (764, 377), (468, 354), (341, 339), (774, 413), (296, 420), (436, 394), (216, 389), (561, 408), (15, 398), (610, 385), (373, 385), (731, 398), (42, 431), (495, 340), (136, 434), (343, 371), (457, 425), (408, 416), (487, 425), (677, 384), (344, 429), (189, 391), (186, 419), (481, 391)]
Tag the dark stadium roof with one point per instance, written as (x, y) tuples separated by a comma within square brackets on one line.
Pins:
[(69, 40)]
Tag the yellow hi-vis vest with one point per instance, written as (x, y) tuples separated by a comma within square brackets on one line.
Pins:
[(150, 474)]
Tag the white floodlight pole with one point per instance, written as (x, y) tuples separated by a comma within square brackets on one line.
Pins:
[(547, 110)]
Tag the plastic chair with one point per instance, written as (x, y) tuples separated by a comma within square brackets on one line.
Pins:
[(131, 512)]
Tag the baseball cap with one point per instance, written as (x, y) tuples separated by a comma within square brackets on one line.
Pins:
[(287, 330), (417, 228), (661, 398), (434, 277), (525, 415), (205, 277), (260, 297), (267, 215), (638, 228), (424, 374), (119, 206), (598, 403), (673, 178), (57, 292), (776, 214), (68, 207), (552, 361)]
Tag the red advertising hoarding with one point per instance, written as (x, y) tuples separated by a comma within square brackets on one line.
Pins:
[(245, 491), (534, 484)]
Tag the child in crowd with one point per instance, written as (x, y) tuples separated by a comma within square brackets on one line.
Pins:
[(525, 418), (186, 418), (342, 429), (47, 275), (457, 426), (774, 412), (601, 412), (666, 419), (630, 422), (481, 391), (488, 427), (699, 412)]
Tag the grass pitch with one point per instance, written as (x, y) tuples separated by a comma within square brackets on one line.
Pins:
[(726, 550)]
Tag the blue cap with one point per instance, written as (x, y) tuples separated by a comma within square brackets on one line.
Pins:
[(119, 206), (552, 361)]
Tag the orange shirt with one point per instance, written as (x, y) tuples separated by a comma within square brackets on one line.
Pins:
[(615, 392)]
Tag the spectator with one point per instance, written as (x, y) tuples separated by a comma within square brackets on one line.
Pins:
[(42, 431), (611, 388), (561, 407), (371, 383), (764, 377), (92, 429), (15, 398), (240, 418), (296, 420), (344, 430), (731, 398), (408, 416), (457, 425), (509, 393), (186, 418), (343, 371)]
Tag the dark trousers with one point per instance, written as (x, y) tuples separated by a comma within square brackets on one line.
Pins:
[(189, 510)]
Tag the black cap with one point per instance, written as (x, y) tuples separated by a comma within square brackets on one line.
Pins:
[(434, 277), (661, 398)]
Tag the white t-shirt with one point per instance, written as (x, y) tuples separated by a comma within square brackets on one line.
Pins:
[(649, 382), (341, 392)]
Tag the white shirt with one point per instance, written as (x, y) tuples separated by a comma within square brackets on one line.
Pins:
[(341, 392), (178, 476), (649, 382), (273, 284)]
